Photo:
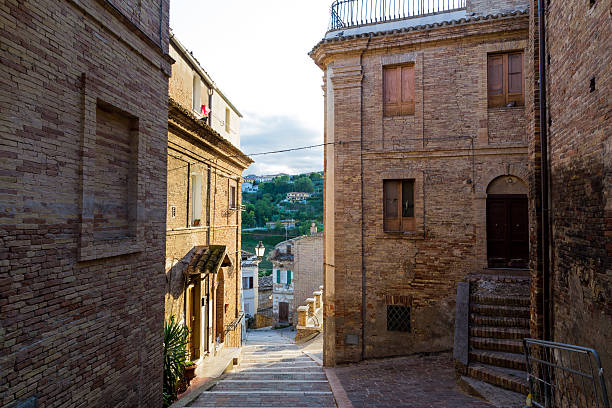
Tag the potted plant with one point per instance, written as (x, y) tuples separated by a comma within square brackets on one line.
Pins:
[(190, 374), (196, 222), (174, 354)]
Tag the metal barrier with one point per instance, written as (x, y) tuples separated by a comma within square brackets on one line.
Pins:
[(562, 375), (352, 13)]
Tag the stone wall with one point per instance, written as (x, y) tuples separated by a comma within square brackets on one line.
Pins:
[(579, 81), (84, 91), (453, 147)]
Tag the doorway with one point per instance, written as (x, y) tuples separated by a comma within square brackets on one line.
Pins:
[(283, 312), (507, 231), (507, 223)]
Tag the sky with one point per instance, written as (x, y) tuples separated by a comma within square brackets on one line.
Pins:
[(257, 54)]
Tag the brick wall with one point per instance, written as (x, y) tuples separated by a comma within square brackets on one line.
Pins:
[(81, 315), (308, 273), (367, 268), (578, 44), (487, 7)]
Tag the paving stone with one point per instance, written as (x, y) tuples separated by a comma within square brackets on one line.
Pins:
[(413, 382)]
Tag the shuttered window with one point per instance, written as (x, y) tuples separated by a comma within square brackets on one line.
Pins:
[(398, 84), (288, 277), (278, 278), (398, 206), (505, 79)]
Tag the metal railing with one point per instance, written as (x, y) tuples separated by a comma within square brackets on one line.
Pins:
[(352, 13), (562, 375), (232, 333)]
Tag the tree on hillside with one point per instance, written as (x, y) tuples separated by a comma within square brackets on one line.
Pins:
[(303, 185), (315, 176)]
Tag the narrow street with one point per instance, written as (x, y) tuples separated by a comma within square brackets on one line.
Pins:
[(273, 372)]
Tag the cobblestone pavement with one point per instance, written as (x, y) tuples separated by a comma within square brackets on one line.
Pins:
[(273, 373), (414, 382)]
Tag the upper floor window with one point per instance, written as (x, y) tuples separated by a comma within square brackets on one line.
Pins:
[(247, 282), (232, 197), (197, 94), (196, 200), (505, 79), (398, 209), (398, 84), (227, 120)]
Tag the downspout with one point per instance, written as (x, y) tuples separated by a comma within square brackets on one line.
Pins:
[(161, 23), (210, 101), (363, 265), (546, 287)]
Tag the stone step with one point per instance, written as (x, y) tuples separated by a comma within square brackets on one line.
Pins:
[(277, 376), (499, 332), (497, 396), (506, 345), (500, 311), (270, 399), (508, 379), (480, 320), (279, 366), (499, 358), (523, 301), (272, 385), (275, 360)]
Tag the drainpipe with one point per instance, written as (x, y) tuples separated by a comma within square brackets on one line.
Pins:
[(210, 107), (546, 287)]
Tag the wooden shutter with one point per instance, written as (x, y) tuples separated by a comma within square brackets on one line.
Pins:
[(515, 79), (495, 80), (408, 220), (278, 279), (391, 210), (288, 277), (391, 92), (407, 80)]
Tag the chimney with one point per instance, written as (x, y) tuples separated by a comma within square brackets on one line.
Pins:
[(313, 228)]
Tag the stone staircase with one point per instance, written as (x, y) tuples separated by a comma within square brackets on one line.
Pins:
[(497, 322)]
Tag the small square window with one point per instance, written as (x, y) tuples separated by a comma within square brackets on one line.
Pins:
[(398, 318)]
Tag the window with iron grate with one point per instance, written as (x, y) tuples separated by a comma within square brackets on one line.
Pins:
[(398, 318)]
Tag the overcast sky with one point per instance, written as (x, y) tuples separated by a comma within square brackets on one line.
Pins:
[(257, 53)]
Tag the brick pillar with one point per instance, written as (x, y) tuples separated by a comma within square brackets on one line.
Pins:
[(311, 306), (302, 313), (317, 298)]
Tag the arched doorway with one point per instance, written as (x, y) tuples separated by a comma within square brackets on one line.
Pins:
[(507, 223)]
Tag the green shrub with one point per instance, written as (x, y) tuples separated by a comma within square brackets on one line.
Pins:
[(175, 355)]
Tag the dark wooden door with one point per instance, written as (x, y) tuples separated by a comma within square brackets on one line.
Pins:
[(507, 231), (283, 311)]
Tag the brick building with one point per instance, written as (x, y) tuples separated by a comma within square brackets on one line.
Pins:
[(297, 271), (427, 171), (572, 290), (203, 274), (84, 87)]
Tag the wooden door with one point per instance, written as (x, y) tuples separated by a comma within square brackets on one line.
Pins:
[(283, 312), (507, 231)]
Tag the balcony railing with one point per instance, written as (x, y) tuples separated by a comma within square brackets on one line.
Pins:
[(353, 13)]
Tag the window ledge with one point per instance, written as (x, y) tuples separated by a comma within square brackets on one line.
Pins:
[(505, 108), (413, 235)]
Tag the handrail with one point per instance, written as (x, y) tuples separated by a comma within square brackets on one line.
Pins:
[(232, 326), (353, 13)]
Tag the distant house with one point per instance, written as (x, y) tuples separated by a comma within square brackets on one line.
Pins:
[(250, 276), (297, 272), (248, 187), (288, 224), (298, 196)]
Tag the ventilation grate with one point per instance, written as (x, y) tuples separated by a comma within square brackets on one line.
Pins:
[(398, 318)]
